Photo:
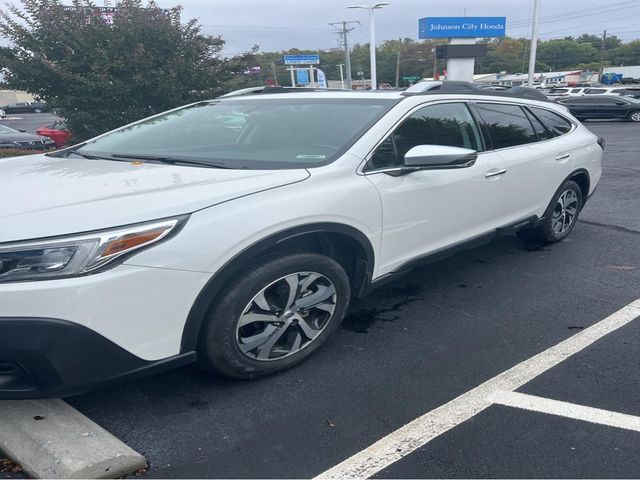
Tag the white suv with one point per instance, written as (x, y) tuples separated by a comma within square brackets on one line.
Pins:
[(233, 232)]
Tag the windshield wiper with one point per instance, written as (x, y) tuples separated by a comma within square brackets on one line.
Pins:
[(86, 155), (172, 160)]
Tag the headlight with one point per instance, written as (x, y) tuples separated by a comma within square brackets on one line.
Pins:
[(80, 254)]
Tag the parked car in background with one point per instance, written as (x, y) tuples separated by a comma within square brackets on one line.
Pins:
[(10, 138), (56, 131), (177, 239), (603, 107), (604, 90), (632, 92), (26, 107)]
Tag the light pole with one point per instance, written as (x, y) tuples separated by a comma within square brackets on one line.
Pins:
[(341, 75), (534, 42), (372, 38)]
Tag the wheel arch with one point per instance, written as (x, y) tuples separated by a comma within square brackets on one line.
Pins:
[(582, 178), (345, 244)]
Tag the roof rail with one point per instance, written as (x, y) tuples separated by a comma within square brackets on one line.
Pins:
[(278, 89), (461, 88)]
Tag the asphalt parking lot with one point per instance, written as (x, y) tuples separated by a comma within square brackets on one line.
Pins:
[(416, 345), (27, 121)]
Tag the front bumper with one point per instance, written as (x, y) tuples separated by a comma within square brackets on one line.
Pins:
[(41, 357)]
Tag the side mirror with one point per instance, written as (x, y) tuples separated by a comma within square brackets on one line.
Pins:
[(439, 157), (22, 130)]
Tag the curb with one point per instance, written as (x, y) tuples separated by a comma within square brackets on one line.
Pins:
[(50, 439)]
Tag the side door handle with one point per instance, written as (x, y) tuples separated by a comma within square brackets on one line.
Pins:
[(563, 157), (495, 173)]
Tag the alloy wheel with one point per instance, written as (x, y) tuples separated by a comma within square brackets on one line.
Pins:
[(635, 116), (564, 212), (286, 316)]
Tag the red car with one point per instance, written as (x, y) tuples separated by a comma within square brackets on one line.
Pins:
[(57, 132)]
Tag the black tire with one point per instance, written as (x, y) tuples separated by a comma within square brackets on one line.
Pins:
[(545, 232), (635, 116), (219, 346)]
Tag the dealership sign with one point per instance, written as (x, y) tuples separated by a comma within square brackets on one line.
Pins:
[(301, 59), (460, 27)]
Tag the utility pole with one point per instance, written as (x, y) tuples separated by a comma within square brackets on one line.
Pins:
[(343, 32), (398, 63), (602, 52), (534, 42), (275, 73)]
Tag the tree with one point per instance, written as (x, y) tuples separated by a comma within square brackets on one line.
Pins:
[(100, 75), (506, 55), (566, 53), (628, 54)]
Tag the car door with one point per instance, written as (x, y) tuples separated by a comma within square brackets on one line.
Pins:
[(584, 107), (611, 107), (535, 163), (429, 210)]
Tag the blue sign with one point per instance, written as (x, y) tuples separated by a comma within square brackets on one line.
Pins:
[(301, 59), (462, 27), (303, 77)]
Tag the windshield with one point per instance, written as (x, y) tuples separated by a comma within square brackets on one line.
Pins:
[(262, 133), (4, 129)]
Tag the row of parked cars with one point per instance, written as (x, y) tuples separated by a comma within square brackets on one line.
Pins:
[(52, 135), (24, 107), (599, 102)]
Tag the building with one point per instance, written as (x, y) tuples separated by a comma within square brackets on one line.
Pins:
[(632, 73), (14, 96)]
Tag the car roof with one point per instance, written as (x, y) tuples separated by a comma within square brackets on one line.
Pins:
[(446, 89)]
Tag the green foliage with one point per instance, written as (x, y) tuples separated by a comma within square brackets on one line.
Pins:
[(100, 76), (628, 54), (509, 55), (506, 55), (565, 54)]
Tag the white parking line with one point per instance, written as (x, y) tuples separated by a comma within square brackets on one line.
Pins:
[(566, 409), (422, 430)]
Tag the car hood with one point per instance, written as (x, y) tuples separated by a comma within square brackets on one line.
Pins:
[(43, 196)]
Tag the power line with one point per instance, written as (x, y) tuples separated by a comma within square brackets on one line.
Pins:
[(572, 14)]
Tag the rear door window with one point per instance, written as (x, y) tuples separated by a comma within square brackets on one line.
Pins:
[(508, 125), (595, 91)]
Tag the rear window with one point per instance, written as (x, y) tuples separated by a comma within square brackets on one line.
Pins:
[(508, 125), (554, 122), (595, 91)]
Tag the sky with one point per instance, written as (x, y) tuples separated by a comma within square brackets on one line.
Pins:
[(277, 25)]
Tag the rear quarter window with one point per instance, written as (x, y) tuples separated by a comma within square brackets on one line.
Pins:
[(555, 123)]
